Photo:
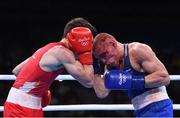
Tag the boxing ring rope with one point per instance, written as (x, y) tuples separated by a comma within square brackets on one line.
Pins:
[(86, 106), (69, 77)]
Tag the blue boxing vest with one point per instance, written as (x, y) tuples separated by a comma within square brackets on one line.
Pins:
[(128, 67)]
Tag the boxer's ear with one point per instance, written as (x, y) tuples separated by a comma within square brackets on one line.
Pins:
[(113, 43)]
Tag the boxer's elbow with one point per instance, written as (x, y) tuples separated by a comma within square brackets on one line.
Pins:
[(102, 95), (157, 79), (101, 92), (166, 79)]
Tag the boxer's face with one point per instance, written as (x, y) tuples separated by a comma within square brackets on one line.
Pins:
[(107, 54)]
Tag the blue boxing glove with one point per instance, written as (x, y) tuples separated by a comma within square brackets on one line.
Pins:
[(96, 66), (121, 80)]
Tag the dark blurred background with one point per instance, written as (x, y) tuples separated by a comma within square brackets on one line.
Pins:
[(27, 25)]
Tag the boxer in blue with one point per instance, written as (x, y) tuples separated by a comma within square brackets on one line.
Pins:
[(135, 69)]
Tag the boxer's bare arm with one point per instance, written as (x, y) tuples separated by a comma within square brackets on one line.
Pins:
[(99, 87), (158, 75), (82, 73), (57, 57), (17, 69)]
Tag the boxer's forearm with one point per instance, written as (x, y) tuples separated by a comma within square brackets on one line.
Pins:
[(157, 79), (99, 87)]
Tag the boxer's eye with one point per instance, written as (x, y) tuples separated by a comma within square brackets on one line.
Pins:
[(103, 55)]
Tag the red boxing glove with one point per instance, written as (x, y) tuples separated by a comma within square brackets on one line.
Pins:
[(46, 98), (80, 40)]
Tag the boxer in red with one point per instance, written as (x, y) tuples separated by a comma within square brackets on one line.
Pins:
[(30, 92)]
